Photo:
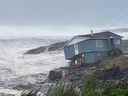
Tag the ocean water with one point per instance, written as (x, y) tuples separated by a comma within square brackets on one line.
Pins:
[(14, 64)]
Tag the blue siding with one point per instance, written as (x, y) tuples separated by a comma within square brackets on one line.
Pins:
[(117, 45), (69, 51), (90, 57), (92, 52), (90, 45), (93, 57)]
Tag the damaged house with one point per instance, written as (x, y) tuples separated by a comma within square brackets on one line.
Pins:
[(92, 48)]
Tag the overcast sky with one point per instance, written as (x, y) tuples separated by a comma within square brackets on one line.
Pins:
[(39, 17)]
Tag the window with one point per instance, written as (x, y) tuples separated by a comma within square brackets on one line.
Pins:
[(99, 43)]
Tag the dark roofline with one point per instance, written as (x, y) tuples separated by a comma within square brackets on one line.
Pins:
[(99, 33)]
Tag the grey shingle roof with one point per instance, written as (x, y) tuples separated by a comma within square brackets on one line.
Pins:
[(100, 35), (106, 34)]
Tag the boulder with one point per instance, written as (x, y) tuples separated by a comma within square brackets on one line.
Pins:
[(36, 50), (51, 47), (56, 46), (55, 75)]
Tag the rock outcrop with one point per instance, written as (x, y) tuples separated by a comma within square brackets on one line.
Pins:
[(52, 47), (36, 50), (56, 46), (111, 69)]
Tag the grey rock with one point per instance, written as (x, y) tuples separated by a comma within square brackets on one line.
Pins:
[(55, 75), (36, 50), (52, 47)]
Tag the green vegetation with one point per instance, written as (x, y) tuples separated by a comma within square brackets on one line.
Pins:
[(62, 89), (106, 82), (89, 87), (92, 87)]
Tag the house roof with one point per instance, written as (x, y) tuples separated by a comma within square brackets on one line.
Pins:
[(105, 35), (100, 35)]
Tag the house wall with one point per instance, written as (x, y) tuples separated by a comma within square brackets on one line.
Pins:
[(90, 45), (94, 57), (93, 53), (69, 51), (116, 43), (84, 46)]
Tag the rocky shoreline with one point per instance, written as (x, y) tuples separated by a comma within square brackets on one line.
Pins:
[(51, 47), (114, 74), (111, 69)]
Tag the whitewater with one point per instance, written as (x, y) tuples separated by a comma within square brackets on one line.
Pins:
[(14, 64)]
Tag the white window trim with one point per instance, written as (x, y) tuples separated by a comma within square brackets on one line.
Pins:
[(76, 49)]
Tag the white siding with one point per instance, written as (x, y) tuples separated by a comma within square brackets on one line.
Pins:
[(76, 49)]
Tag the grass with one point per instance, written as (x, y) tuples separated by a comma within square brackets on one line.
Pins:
[(92, 87), (62, 89)]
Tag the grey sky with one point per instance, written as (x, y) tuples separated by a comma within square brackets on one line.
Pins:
[(89, 13)]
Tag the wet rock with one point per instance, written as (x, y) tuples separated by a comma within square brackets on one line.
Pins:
[(52, 47), (24, 87), (55, 75), (56, 46), (37, 50)]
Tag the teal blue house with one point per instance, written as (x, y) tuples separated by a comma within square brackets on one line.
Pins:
[(91, 48)]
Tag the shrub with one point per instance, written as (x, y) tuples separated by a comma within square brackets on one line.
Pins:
[(95, 87), (62, 89), (89, 87)]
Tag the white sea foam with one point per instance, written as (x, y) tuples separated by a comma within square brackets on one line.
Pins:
[(14, 64)]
